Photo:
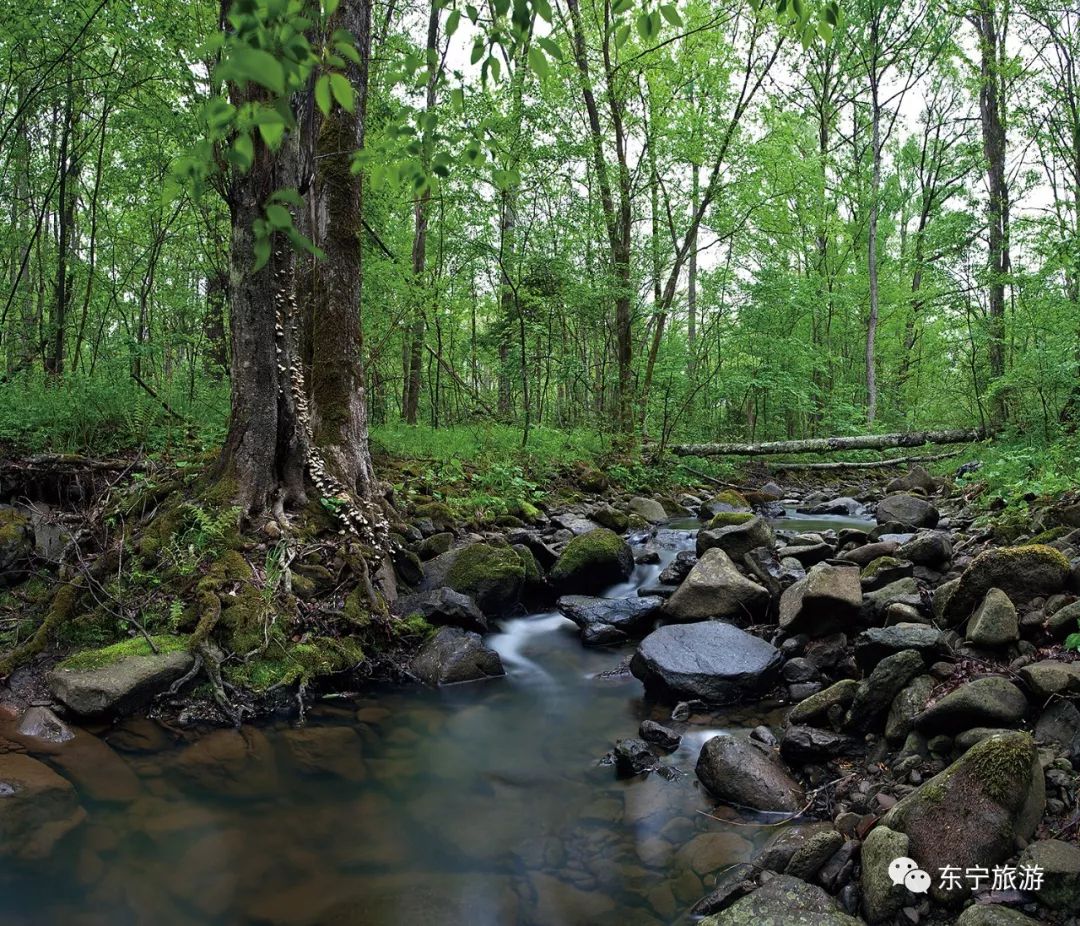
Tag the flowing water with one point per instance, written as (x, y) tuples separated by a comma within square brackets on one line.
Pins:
[(476, 804)]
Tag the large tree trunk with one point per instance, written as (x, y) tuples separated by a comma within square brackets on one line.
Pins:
[(829, 444), (338, 406), (872, 253)]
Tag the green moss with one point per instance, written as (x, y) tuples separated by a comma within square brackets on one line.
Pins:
[(480, 564), (88, 660), (297, 663), (14, 527), (731, 498), (414, 625), (437, 512), (526, 511), (598, 547), (533, 572), (728, 518), (1054, 533), (1003, 764), (875, 567)]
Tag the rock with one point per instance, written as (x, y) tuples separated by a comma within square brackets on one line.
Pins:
[(875, 694), (735, 882), (1060, 864), (906, 707), (42, 724), (882, 899), (1064, 621), (783, 900), (712, 660), (974, 811), (802, 745), (983, 702), (1022, 573), (714, 588), (845, 505), (664, 737), (16, 543), (815, 852), (825, 705), (927, 548), (916, 478), (910, 511), (1050, 677), (875, 602), (632, 757), (827, 600), (884, 571), (679, 568), (873, 645), (120, 678), (574, 523), (445, 606), (738, 772), (993, 915), (962, 742), (799, 670), (707, 853), (807, 554), (454, 655), (435, 545), (592, 562), (736, 540), (868, 552), (493, 576), (994, 622), (1060, 724), (327, 751), (611, 518), (773, 573), (648, 508), (610, 620), (237, 764), (37, 808)]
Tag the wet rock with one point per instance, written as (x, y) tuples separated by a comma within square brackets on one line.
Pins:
[(910, 511), (610, 620), (739, 772), (787, 900), (875, 694), (679, 568), (1060, 724), (37, 808), (813, 854), (974, 811), (591, 562), (993, 915), (648, 508), (710, 852), (712, 660), (445, 606), (455, 655), (825, 706), (714, 588), (799, 670), (906, 707), (839, 868), (873, 645), (994, 622), (42, 724), (1060, 864), (927, 548), (327, 751), (827, 600), (493, 576), (828, 652), (984, 702), (1051, 677), (801, 745), (736, 540), (772, 572), (777, 853), (632, 757), (121, 685), (234, 763), (882, 899), (735, 882), (1022, 573), (845, 505), (664, 737)]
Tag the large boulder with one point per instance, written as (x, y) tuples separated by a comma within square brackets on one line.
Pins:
[(592, 561), (455, 655), (739, 772), (927, 548), (874, 644), (493, 576), (916, 478), (610, 620), (783, 900), (712, 660), (994, 622), (910, 511), (827, 600), (993, 915), (882, 898), (736, 540), (714, 588), (974, 812), (37, 808), (1059, 862), (983, 702), (445, 606), (1050, 677), (120, 678), (906, 707), (875, 693), (1022, 573), (648, 508), (826, 706)]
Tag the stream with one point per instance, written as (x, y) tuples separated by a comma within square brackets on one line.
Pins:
[(477, 804)]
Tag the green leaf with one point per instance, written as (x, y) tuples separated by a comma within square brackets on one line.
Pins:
[(452, 22), (671, 14), (262, 252), (538, 62), (278, 216), (621, 6), (343, 91), (621, 35), (244, 151), (552, 48), (825, 30), (322, 94), (478, 50), (271, 133), (245, 63), (330, 7)]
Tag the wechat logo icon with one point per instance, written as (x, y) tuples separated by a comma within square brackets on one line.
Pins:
[(905, 871)]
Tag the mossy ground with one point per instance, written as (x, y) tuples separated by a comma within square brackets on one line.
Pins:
[(728, 518), (90, 659)]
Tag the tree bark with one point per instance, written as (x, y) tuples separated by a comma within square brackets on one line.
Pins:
[(829, 444)]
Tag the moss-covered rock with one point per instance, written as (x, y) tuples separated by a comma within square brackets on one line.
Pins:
[(492, 575), (611, 518), (727, 518), (1022, 573), (592, 561), (437, 513), (783, 901), (973, 813), (728, 500), (294, 663), (16, 539)]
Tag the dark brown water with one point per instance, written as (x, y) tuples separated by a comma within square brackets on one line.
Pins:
[(477, 804)]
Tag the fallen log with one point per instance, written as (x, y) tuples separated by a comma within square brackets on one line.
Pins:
[(831, 444), (58, 462), (862, 464)]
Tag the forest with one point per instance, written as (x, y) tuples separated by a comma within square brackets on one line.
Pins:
[(540, 462)]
